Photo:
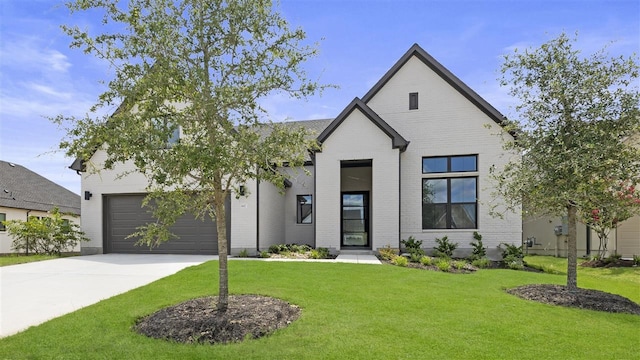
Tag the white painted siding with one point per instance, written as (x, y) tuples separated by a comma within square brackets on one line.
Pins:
[(446, 123), (357, 138), (21, 214), (628, 238)]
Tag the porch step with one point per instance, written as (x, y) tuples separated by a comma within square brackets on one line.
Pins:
[(357, 252)]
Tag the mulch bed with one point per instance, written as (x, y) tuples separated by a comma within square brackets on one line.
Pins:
[(608, 263), (581, 298), (199, 321)]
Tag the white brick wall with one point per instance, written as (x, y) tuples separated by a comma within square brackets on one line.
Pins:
[(446, 123), (302, 184), (357, 138), (99, 184), (272, 210), (244, 229)]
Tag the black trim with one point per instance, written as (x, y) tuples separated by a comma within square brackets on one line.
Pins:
[(446, 75), (398, 142)]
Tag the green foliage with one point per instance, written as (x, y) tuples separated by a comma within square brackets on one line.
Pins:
[(426, 260), (512, 256), (265, 254), (577, 118), (459, 264), (414, 247), (636, 260), (478, 250), (445, 247), (400, 261), (481, 263), (319, 253), (387, 253), (443, 264), (243, 253), (612, 258), (202, 69), (50, 235)]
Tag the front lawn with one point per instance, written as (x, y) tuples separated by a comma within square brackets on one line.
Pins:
[(350, 311), (13, 259)]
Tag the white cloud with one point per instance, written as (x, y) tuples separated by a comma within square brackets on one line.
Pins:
[(25, 53)]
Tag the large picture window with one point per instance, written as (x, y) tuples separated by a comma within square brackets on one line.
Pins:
[(305, 209), (3, 217), (450, 202)]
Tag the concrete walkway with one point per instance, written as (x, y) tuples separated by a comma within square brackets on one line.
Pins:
[(33, 293)]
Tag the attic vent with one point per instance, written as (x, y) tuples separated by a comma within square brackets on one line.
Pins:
[(413, 101)]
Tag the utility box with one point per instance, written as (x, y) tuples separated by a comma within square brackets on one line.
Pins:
[(561, 230)]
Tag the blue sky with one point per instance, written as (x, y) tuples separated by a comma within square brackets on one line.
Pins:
[(41, 76)]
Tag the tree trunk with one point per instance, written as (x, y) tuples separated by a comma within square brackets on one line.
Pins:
[(221, 225), (572, 250)]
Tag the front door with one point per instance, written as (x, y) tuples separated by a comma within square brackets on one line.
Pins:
[(355, 220)]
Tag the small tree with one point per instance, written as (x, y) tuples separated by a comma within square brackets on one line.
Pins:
[(613, 203), (199, 68), (576, 114), (50, 235)]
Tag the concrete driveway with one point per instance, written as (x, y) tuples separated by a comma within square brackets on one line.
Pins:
[(33, 293)]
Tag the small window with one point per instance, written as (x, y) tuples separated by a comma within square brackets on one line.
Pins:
[(446, 164), (3, 217), (413, 101), (305, 209)]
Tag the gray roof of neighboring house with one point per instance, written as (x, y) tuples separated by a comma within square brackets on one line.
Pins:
[(21, 188)]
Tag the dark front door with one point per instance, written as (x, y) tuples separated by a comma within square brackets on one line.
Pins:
[(355, 220)]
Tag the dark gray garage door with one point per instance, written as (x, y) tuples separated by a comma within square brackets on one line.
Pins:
[(124, 213)]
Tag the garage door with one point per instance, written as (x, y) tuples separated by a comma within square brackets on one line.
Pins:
[(124, 213)]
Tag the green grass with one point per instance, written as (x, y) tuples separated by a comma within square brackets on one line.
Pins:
[(349, 311), (622, 280), (13, 259)]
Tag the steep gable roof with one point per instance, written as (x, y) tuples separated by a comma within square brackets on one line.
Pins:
[(398, 142), (21, 188), (445, 74)]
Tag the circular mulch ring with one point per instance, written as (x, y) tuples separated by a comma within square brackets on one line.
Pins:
[(199, 321), (581, 298)]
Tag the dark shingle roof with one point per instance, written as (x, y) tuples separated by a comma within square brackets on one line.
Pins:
[(21, 188)]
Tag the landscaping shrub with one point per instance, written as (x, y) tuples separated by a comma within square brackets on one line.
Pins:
[(426, 260), (636, 260), (445, 247), (243, 253), (387, 253), (481, 263), (319, 253), (478, 250), (265, 254), (400, 261), (415, 257), (413, 246), (459, 264), (512, 256), (443, 264), (48, 235)]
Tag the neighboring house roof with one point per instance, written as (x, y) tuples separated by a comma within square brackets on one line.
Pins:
[(21, 188), (397, 140), (445, 74)]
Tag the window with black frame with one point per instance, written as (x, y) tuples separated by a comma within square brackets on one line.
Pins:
[(449, 193), (304, 209)]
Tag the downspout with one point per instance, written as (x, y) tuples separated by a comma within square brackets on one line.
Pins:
[(399, 199), (258, 214), (588, 240)]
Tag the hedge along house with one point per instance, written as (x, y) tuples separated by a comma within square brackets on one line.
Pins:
[(410, 158)]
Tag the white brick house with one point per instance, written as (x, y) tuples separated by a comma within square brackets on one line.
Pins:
[(410, 158)]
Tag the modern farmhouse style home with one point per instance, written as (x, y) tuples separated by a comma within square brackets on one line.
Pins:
[(409, 158)]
